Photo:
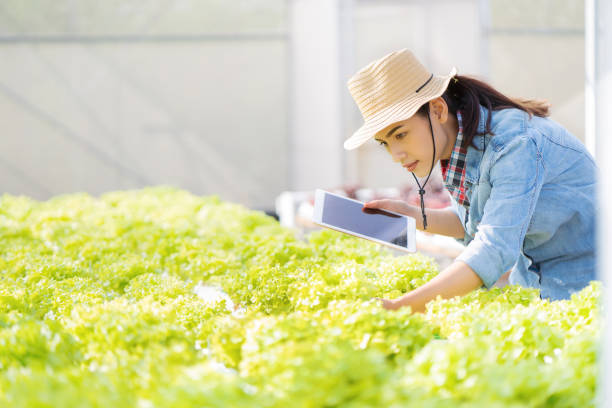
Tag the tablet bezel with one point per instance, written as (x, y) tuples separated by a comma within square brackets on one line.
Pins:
[(317, 218)]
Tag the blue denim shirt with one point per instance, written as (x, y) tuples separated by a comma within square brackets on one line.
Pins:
[(532, 205)]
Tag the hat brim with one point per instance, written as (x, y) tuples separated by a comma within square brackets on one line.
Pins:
[(399, 111)]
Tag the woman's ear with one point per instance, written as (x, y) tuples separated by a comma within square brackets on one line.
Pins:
[(439, 109)]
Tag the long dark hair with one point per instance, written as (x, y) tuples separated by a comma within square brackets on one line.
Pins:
[(466, 93)]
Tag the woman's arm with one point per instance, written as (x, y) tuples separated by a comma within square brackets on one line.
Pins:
[(439, 221), (456, 280)]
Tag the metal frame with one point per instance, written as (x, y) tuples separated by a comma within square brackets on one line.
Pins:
[(96, 39)]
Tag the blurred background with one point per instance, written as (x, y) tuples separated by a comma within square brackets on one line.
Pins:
[(247, 99)]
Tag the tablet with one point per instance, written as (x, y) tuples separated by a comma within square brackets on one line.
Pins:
[(347, 215)]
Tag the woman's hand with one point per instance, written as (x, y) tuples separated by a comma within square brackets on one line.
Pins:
[(456, 280), (442, 221), (397, 206), (389, 304)]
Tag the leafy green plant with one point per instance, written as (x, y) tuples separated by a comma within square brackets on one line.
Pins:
[(101, 305)]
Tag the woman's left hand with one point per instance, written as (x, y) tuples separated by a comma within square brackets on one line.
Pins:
[(390, 304)]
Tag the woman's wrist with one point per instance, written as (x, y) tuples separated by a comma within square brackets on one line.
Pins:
[(415, 212)]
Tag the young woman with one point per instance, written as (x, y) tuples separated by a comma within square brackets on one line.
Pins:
[(522, 187)]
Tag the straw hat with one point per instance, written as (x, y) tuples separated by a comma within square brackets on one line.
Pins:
[(390, 90)]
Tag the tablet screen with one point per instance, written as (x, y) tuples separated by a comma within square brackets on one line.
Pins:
[(350, 215)]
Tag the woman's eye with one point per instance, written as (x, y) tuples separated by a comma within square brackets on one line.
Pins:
[(400, 135), (381, 142)]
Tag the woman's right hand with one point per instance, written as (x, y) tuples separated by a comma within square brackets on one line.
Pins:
[(398, 206), (439, 221)]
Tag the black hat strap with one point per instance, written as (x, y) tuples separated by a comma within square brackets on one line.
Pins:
[(422, 188)]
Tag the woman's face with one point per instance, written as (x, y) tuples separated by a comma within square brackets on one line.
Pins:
[(409, 141)]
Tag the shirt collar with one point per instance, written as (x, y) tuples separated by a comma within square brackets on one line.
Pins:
[(456, 162)]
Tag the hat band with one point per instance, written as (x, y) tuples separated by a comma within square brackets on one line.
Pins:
[(421, 87)]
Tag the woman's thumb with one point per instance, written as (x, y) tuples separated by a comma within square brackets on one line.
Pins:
[(376, 204), (386, 204)]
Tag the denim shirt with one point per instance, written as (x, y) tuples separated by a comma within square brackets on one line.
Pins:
[(532, 194)]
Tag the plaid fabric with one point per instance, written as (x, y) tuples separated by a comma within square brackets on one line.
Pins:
[(453, 170)]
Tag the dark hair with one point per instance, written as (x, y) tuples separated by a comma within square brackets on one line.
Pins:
[(467, 93)]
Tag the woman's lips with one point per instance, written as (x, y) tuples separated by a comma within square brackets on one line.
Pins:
[(411, 166)]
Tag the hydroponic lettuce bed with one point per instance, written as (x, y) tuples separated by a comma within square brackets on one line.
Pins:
[(102, 304)]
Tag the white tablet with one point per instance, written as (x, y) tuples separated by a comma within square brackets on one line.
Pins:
[(347, 215)]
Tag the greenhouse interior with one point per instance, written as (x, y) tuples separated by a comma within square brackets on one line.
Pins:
[(305, 203)]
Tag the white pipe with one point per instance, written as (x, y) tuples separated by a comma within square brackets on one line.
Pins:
[(316, 110), (602, 17)]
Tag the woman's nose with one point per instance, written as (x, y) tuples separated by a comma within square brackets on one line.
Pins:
[(398, 155)]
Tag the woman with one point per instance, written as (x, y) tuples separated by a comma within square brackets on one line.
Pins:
[(522, 187)]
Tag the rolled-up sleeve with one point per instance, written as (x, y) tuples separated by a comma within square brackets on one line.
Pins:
[(516, 180)]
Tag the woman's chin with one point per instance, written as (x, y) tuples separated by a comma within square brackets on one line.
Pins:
[(420, 174)]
